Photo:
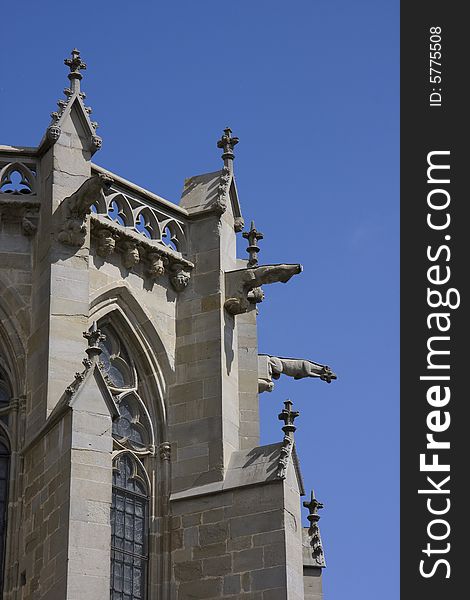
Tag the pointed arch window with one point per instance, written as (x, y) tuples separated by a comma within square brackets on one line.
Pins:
[(115, 361), (133, 440)]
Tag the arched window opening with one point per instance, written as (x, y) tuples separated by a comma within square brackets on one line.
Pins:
[(132, 430), (4, 472), (133, 442), (115, 361), (129, 530)]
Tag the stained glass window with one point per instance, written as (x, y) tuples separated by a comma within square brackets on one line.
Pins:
[(129, 553), (115, 361), (132, 432), (132, 428)]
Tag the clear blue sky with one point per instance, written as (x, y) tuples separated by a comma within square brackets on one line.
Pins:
[(311, 88)]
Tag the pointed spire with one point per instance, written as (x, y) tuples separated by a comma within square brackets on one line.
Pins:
[(227, 143), (73, 93), (253, 236), (75, 65)]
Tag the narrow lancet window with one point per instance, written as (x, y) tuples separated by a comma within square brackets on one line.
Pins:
[(129, 510), (133, 443)]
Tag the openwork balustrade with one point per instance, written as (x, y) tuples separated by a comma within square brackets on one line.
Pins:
[(144, 215)]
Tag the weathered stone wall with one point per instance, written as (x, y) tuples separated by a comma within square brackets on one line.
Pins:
[(233, 544), (248, 379), (312, 583), (43, 537), (203, 404), (89, 552)]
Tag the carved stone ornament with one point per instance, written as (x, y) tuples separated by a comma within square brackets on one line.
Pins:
[(155, 265), (240, 283), (288, 416), (220, 205), (180, 277), (29, 224), (78, 205), (165, 451), (227, 143), (272, 367), (284, 457), (53, 133), (73, 233), (106, 242), (130, 254), (239, 224), (156, 258), (17, 209)]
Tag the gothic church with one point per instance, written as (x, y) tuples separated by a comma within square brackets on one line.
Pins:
[(130, 460)]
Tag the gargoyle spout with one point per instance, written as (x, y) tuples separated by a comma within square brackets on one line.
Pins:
[(243, 287), (273, 274), (78, 206), (272, 367), (81, 201)]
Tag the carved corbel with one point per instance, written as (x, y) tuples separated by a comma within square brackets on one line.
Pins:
[(165, 451), (78, 206), (106, 242), (238, 224), (179, 277), (155, 264), (130, 253), (29, 224), (53, 133), (243, 286), (18, 209)]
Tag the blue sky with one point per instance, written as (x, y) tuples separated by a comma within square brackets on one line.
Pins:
[(311, 88)]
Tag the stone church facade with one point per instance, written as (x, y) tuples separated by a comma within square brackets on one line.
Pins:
[(130, 459)]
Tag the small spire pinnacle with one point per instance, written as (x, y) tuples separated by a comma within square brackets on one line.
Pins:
[(313, 531), (94, 337), (75, 64), (313, 506), (288, 416), (227, 143), (253, 236)]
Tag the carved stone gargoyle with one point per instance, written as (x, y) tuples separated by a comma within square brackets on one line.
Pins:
[(242, 288), (78, 206), (271, 367)]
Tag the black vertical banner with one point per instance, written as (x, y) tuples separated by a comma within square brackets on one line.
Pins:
[(435, 304)]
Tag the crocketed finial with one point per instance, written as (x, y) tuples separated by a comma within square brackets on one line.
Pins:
[(227, 143), (313, 506), (94, 337), (253, 236), (75, 65), (288, 416), (313, 531)]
